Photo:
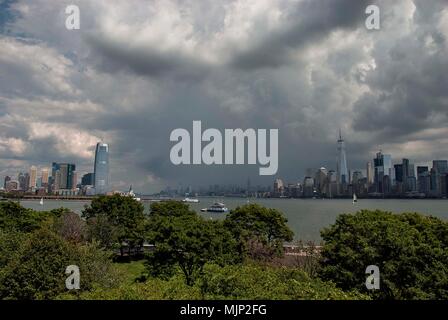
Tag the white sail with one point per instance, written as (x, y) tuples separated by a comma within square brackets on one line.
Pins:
[(355, 199), (41, 202)]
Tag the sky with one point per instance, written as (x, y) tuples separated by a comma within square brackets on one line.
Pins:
[(137, 70)]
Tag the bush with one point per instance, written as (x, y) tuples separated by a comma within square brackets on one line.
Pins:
[(246, 282), (250, 282)]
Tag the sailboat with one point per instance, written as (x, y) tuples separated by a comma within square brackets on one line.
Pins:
[(41, 202), (355, 199)]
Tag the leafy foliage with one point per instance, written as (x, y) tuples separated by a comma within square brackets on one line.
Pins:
[(116, 219), (37, 272), (37, 269), (253, 223), (15, 217), (245, 282), (411, 251), (185, 240)]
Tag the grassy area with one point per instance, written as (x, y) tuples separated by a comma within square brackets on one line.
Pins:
[(132, 270)]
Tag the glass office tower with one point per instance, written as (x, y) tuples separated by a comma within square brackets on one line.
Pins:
[(101, 168), (342, 171)]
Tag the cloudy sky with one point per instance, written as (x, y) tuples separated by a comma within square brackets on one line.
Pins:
[(136, 70)]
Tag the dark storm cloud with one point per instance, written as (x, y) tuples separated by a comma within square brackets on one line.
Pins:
[(115, 56), (306, 22), (309, 21), (408, 89), (120, 82)]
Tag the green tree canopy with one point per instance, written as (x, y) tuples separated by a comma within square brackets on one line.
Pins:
[(254, 222), (35, 267), (122, 218), (411, 251), (15, 217), (185, 240)]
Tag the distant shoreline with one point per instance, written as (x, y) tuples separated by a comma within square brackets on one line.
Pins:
[(89, 198)]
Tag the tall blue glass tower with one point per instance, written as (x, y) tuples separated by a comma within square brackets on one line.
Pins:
[(101, 168)]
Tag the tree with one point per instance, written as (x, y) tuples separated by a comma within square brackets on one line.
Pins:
[(253, 223), (253, 282), (35, 269), (411, 251), (185, 240), (71, 227), (38, 269), (10, 243), (100, 229), (15, 217), (124, 214)]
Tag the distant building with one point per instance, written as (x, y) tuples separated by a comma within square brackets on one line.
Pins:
[(341, 169), (441, 166), (279, 187), (308, 187), (33, 177), (370, 173), (11, 185), (438, 178), (7, 178), (63, 176), (321, 181), (24, 181), (332, 184), (74, 182), (383, 172), (101, 168), (44, 175), (88, 179), (399, 186)]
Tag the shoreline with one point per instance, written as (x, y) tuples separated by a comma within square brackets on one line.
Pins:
[(89, 198)]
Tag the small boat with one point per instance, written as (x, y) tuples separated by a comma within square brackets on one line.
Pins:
[(216, 207), (132, 194), (41, 202), (190, 200), (355, 199)]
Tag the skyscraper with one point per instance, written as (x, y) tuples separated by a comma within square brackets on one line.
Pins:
[(24, 181), (101, 168), (74, 180), (438, 176), (383, 172), (7, 178), (424, 180), (33, 177), (342, 171), (278, 187), (63, 175), (370, 174), (45, 176)]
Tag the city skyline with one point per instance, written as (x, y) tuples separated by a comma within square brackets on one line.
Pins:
[(340, 180), (121, 79)]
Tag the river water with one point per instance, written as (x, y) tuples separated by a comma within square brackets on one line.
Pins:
[(306, 217)]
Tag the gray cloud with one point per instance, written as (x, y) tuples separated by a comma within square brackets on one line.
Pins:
[(308, 21), (307, 68)]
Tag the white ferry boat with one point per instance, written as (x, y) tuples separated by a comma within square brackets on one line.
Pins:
[(190, 200), (216, 207)]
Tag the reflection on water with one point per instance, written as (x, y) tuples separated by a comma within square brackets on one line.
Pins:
[(305, 217)]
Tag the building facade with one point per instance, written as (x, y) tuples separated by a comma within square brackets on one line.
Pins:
[(101, 168)]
